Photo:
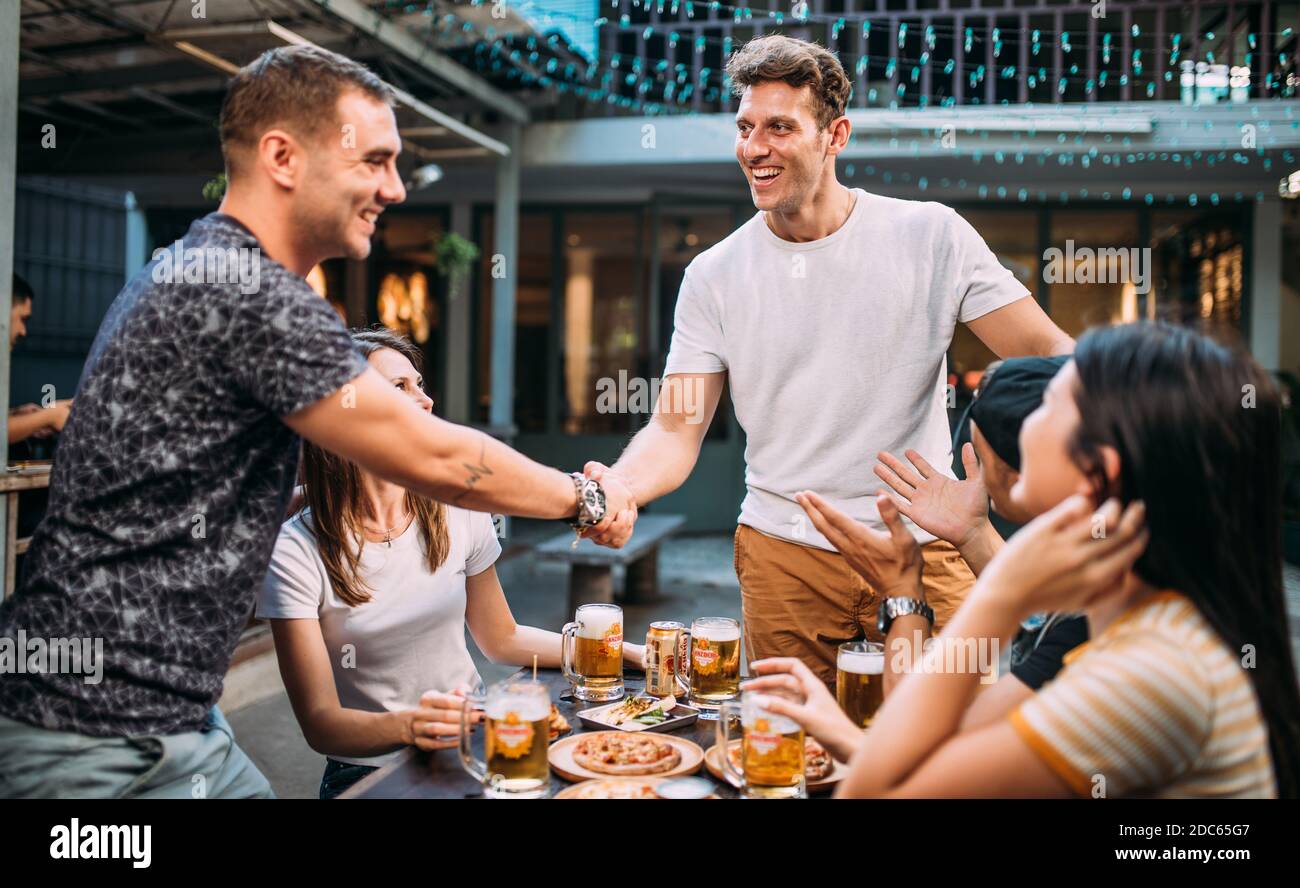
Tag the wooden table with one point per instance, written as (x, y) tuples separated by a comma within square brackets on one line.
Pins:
[(19, 477), (439, 775)]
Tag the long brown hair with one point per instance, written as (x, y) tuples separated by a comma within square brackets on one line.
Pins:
[(333, 493), (1197, 428)]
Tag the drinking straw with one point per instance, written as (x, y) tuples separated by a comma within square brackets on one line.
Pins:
[(534, 667)]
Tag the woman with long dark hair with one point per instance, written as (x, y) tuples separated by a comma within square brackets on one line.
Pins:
[(369, 593), (1153, 465)]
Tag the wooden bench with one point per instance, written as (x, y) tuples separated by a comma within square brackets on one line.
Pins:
[(592, 577)]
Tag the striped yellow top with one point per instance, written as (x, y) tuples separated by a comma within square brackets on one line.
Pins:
[(1157, 706)]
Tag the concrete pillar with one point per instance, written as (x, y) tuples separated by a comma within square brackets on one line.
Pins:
[(137, 237), (1266, 283), (9, 23), (458, 330), (506, 240)]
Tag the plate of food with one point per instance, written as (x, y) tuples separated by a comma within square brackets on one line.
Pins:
[(559, 725), (821, 772), (599, 754), (641, 713), (616, 788)]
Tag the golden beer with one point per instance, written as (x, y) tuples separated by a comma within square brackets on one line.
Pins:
[(771, 748), (516, 749), (516, 718), (859, 689), (714, 661), (597, 658), (592, 652)]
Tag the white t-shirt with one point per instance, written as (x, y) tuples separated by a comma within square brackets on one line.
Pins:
[(410, 637), (835, 349)]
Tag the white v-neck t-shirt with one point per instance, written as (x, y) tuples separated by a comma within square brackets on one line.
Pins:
[(410, 637), (835, 349)]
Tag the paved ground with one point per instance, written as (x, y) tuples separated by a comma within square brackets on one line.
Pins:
[(696, 579)]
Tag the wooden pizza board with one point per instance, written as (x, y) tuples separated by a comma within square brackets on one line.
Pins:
[(560, 756)]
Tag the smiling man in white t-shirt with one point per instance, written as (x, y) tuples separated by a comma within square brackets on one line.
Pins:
[(830, 313)]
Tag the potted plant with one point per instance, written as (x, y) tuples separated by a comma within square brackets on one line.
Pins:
[(456, 257), (215, 188)]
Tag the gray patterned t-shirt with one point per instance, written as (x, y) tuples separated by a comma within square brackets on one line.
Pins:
[(170, 482)]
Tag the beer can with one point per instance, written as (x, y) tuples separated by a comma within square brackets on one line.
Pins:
[(661, 653)]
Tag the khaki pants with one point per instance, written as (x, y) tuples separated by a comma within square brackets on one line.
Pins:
[(800, 601)]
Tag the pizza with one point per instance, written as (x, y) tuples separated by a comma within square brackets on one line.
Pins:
[(613, 788), (817, 762), (559, 725), (613, 752)]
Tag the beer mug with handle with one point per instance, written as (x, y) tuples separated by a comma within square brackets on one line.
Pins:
[(771, 747), (859, 670), (516, 737), (710, 668), (591, 652)]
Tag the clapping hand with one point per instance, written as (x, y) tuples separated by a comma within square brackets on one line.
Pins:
[(890, 561), (952, 510)]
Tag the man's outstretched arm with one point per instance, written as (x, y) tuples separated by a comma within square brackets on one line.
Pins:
[(1019, 329), (370, 423), (661, 456)]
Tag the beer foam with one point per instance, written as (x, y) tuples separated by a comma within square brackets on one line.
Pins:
[(718, 632), (595, 622), (528, 708), (862, 662)]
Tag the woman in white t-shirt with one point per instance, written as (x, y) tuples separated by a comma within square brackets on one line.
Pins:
[(369, 592)]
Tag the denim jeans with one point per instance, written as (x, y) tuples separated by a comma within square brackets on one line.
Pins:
[(339, 776), (39, 763)]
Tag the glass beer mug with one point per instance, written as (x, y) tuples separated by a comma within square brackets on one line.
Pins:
[(771, 748), (517, 721), (591, 652), (710, 667), (859, 671)]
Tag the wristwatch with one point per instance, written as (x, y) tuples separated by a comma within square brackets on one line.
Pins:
[(892, 608), (591, 501)]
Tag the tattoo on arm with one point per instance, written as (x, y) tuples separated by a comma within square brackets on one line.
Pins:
[(476, 472)]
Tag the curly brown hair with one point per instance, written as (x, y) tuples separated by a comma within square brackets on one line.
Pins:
[(797, 63)]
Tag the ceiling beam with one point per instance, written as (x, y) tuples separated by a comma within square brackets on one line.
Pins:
[(400, 39)]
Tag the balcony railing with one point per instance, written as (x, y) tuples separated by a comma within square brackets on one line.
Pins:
[(939, 53)]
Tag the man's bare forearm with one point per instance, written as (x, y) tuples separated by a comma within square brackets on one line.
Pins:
[(658, 459), (475, 471)]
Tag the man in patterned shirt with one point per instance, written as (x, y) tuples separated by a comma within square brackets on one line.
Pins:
[(178, 462)]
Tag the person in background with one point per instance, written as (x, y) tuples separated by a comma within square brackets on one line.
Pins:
[(369, 592), (30, 420)]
